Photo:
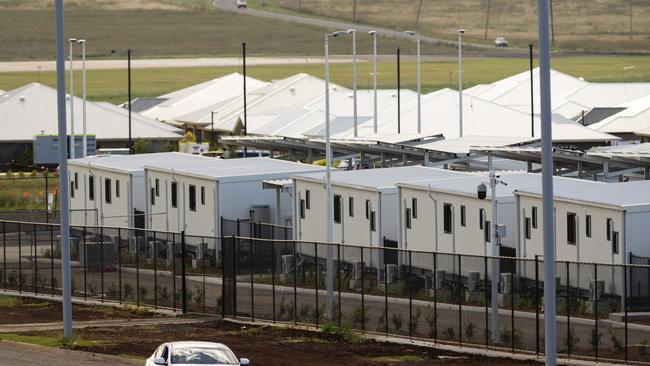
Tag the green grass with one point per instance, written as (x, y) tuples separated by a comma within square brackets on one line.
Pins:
[(25, 193), (9, 301), (110, 85), (399, 358), (27, 33), (597, 25), (56, 342)]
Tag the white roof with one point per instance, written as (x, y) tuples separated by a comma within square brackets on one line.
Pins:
[(625, 195), (32, 110), (623, 150), (635, 117), (135, 163), (515, 181), (481, 118), (608, 94), (234, 169), (514, 91), (383, 178), (463, 145), (266, 103), (200, 97)]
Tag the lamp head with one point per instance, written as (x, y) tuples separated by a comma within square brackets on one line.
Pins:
[(372, 32), (461, 31), (81, 41), (350, 31), (72, 40)]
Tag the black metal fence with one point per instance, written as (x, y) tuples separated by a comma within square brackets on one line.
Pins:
[(440, 297), (251, 229)]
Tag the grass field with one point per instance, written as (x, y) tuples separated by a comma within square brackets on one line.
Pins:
[(110, 85), (166, 29), (585, 25)]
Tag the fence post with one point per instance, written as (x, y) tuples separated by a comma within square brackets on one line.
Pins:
[(235, 242), (4, 254), (537, 305), (137, 273), (596, 306), (410, 285), (155, 272), (223, 274), (101, 258), (568, 312), (204, 253), (47, 216), (252, 269), (273, 276), (119, 265), (487, 283), (183, 273), (317, 281), (338, 273), (83, 232), (512, 305), (363, 300), (51, 259), (625, 268), (174, 256), (295, 279), (460, 303), (35, 259), (435, 297), (20, 261), (385, 296), (238, 232)]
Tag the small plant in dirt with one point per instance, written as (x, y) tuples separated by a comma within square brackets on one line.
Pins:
[(92, 289), (381, 323), (616, 343), (304, 312), (397, 321), (572, 341), (595, 339), (12, 280), (508, 338), (360, 317), (43, 282), (163, 294), (113, 291), (200, 295), (343, 333), (415, 319), (470, 330), (143, 293), (449, 333), (128, 291), (431, 323)]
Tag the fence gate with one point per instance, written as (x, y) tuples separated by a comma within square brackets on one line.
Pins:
[(229, 265)]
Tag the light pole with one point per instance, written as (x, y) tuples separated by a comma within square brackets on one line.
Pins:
[(71, 42), (460, 82), (328, 182), (243, 56), (128, 55), (84, 141), (63, 171), (374, 75), (547, 182), (417, 35), (354, 76)]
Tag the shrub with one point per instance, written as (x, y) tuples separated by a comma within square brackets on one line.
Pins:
[(449, 333), (397, 320), (470, 329), (360, 317)]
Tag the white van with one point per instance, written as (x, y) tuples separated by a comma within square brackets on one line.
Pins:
[(241, 4)]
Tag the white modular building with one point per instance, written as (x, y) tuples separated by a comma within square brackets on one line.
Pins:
[(365, 204), (448, 216), (194, 196), (596, 223), (109, 190)]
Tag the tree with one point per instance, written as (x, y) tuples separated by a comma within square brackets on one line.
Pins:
[(141, 147)]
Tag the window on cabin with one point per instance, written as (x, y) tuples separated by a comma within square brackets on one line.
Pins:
[(447, 218)]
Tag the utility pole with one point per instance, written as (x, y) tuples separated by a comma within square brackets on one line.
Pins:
[(84, 141), (532, 95), (460, 82), (550, 345), (552, 23), (399, 87), (63, 171), (487, 17), (243, 55), (72, 41), (417, 17), (354, 11), (128, 55), (374, 76)]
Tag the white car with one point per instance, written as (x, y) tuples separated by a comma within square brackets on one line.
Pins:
[(501, 42), (194, 353), (241, 4)]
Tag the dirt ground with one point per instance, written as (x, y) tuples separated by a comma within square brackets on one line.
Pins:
[(268, 345), (15, 310)]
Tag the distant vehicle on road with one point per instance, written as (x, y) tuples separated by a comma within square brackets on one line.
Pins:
[(241, 4), (501, 42), (194, 353)]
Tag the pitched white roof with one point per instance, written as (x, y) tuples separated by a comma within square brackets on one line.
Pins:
[(200, 97), (635, 117), (608, 94), (463, 145), (481, 118), (135, 163), (266, 103), (32, 109)]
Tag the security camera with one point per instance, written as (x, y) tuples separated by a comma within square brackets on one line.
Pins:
[(481, 191)]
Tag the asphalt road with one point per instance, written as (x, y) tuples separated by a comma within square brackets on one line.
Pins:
[(18, 354), (230, 5)]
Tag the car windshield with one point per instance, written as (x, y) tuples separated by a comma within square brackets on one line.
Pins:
[(203, 356)]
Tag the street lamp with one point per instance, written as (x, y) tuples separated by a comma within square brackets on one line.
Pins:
[(354, 75), (128, 55), (374, 74), (328, 181), (417, 37), (71, 42), (460, 81), (84, 141)]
